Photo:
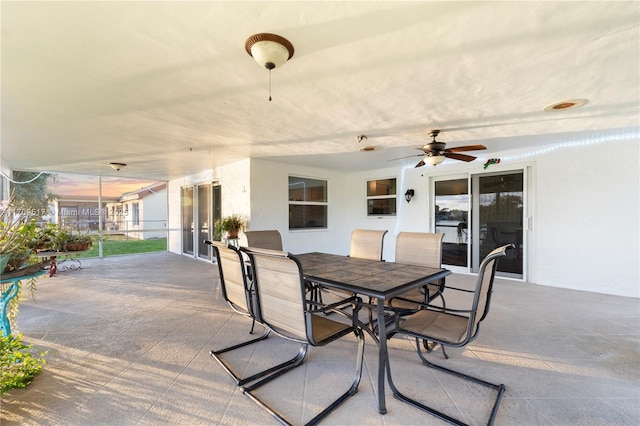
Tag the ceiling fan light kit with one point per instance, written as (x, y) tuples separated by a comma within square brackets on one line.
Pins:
[(434, 160), (269, 51)]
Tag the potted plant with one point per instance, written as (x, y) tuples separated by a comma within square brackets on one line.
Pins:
[(232, 225), (45, 237), (78, 242)]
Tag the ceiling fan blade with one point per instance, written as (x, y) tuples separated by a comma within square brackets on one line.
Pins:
[(461, 157), (467, 148), (408, 156), (420, 164)]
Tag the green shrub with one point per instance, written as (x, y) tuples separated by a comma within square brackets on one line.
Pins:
[(19, 365)]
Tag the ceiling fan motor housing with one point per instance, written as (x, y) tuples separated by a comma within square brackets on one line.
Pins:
[(433, 148)]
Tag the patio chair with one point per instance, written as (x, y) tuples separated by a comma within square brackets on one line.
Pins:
[(267, 239), (367, 244), (364, 244), (452, 327), (282, 306), (422, 249), (237, 292)]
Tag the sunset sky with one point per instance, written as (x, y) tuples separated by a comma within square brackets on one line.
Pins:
[(68, 184)]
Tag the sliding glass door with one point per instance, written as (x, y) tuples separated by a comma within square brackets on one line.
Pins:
[(477, 213), (451, 218), (201, 206), (187, 219), (498, 219), (204, 219)]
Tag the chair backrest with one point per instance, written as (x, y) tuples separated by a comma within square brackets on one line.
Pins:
[(269, 239), (484, 288), (419, 248), (233, 278), (367, 244), (280, 292)]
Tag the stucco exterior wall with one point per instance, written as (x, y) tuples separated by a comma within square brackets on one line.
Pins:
[(587, 218), (236, 190), (270, 207), (583, 204)]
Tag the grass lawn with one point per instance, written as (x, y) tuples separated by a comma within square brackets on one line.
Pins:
[(117, 244)]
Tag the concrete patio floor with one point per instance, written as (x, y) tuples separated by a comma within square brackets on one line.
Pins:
[(129, 340)]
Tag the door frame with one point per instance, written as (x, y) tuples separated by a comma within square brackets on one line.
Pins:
[(528, 201), (196, 216)]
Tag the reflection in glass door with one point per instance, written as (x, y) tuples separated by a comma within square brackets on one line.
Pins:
[(498, 219), (187, 220), (451, 217)]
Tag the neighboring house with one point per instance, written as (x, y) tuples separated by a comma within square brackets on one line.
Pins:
[(143, 213), (140, 214), (79, 212)]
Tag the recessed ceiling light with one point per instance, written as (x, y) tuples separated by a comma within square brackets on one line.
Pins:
[(565, 105), (369, 148)]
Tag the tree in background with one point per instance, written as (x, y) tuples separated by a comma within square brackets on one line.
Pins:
[(31, 192)]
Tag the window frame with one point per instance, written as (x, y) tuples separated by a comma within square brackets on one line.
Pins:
[(324, 203), (369, 198), (135, 214)]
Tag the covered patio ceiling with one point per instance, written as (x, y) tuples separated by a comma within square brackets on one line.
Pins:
[(168, 88)]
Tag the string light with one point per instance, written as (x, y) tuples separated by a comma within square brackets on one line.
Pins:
[(20, 183)]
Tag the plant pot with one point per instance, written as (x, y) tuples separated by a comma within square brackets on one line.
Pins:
[(233, 234), (76, 246), (16, 261)]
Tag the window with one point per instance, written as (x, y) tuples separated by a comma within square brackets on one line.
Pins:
[(135, 218), (381, 197), (307, 203)]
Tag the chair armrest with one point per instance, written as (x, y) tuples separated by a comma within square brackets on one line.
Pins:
[(337, 307), (324, 308), (446, 287)]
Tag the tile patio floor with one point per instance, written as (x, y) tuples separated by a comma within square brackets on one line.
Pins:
[(129, 340)]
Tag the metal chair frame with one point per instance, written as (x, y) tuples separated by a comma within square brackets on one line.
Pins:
[(473, 317), (226, 256), (263, 262)]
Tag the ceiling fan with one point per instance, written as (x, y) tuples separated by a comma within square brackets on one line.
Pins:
[(435, 152)]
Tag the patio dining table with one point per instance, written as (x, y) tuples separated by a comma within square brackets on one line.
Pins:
[(372, 278)]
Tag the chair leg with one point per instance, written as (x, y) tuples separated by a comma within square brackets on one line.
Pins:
[(429, 347), (397, 394), (353, 389), (240, 381)]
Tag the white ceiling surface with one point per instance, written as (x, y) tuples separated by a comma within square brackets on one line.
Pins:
[(168, 88)]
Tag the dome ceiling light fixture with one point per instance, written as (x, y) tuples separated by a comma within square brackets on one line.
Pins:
[(117, 166), (565, 105), (269, 51)]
